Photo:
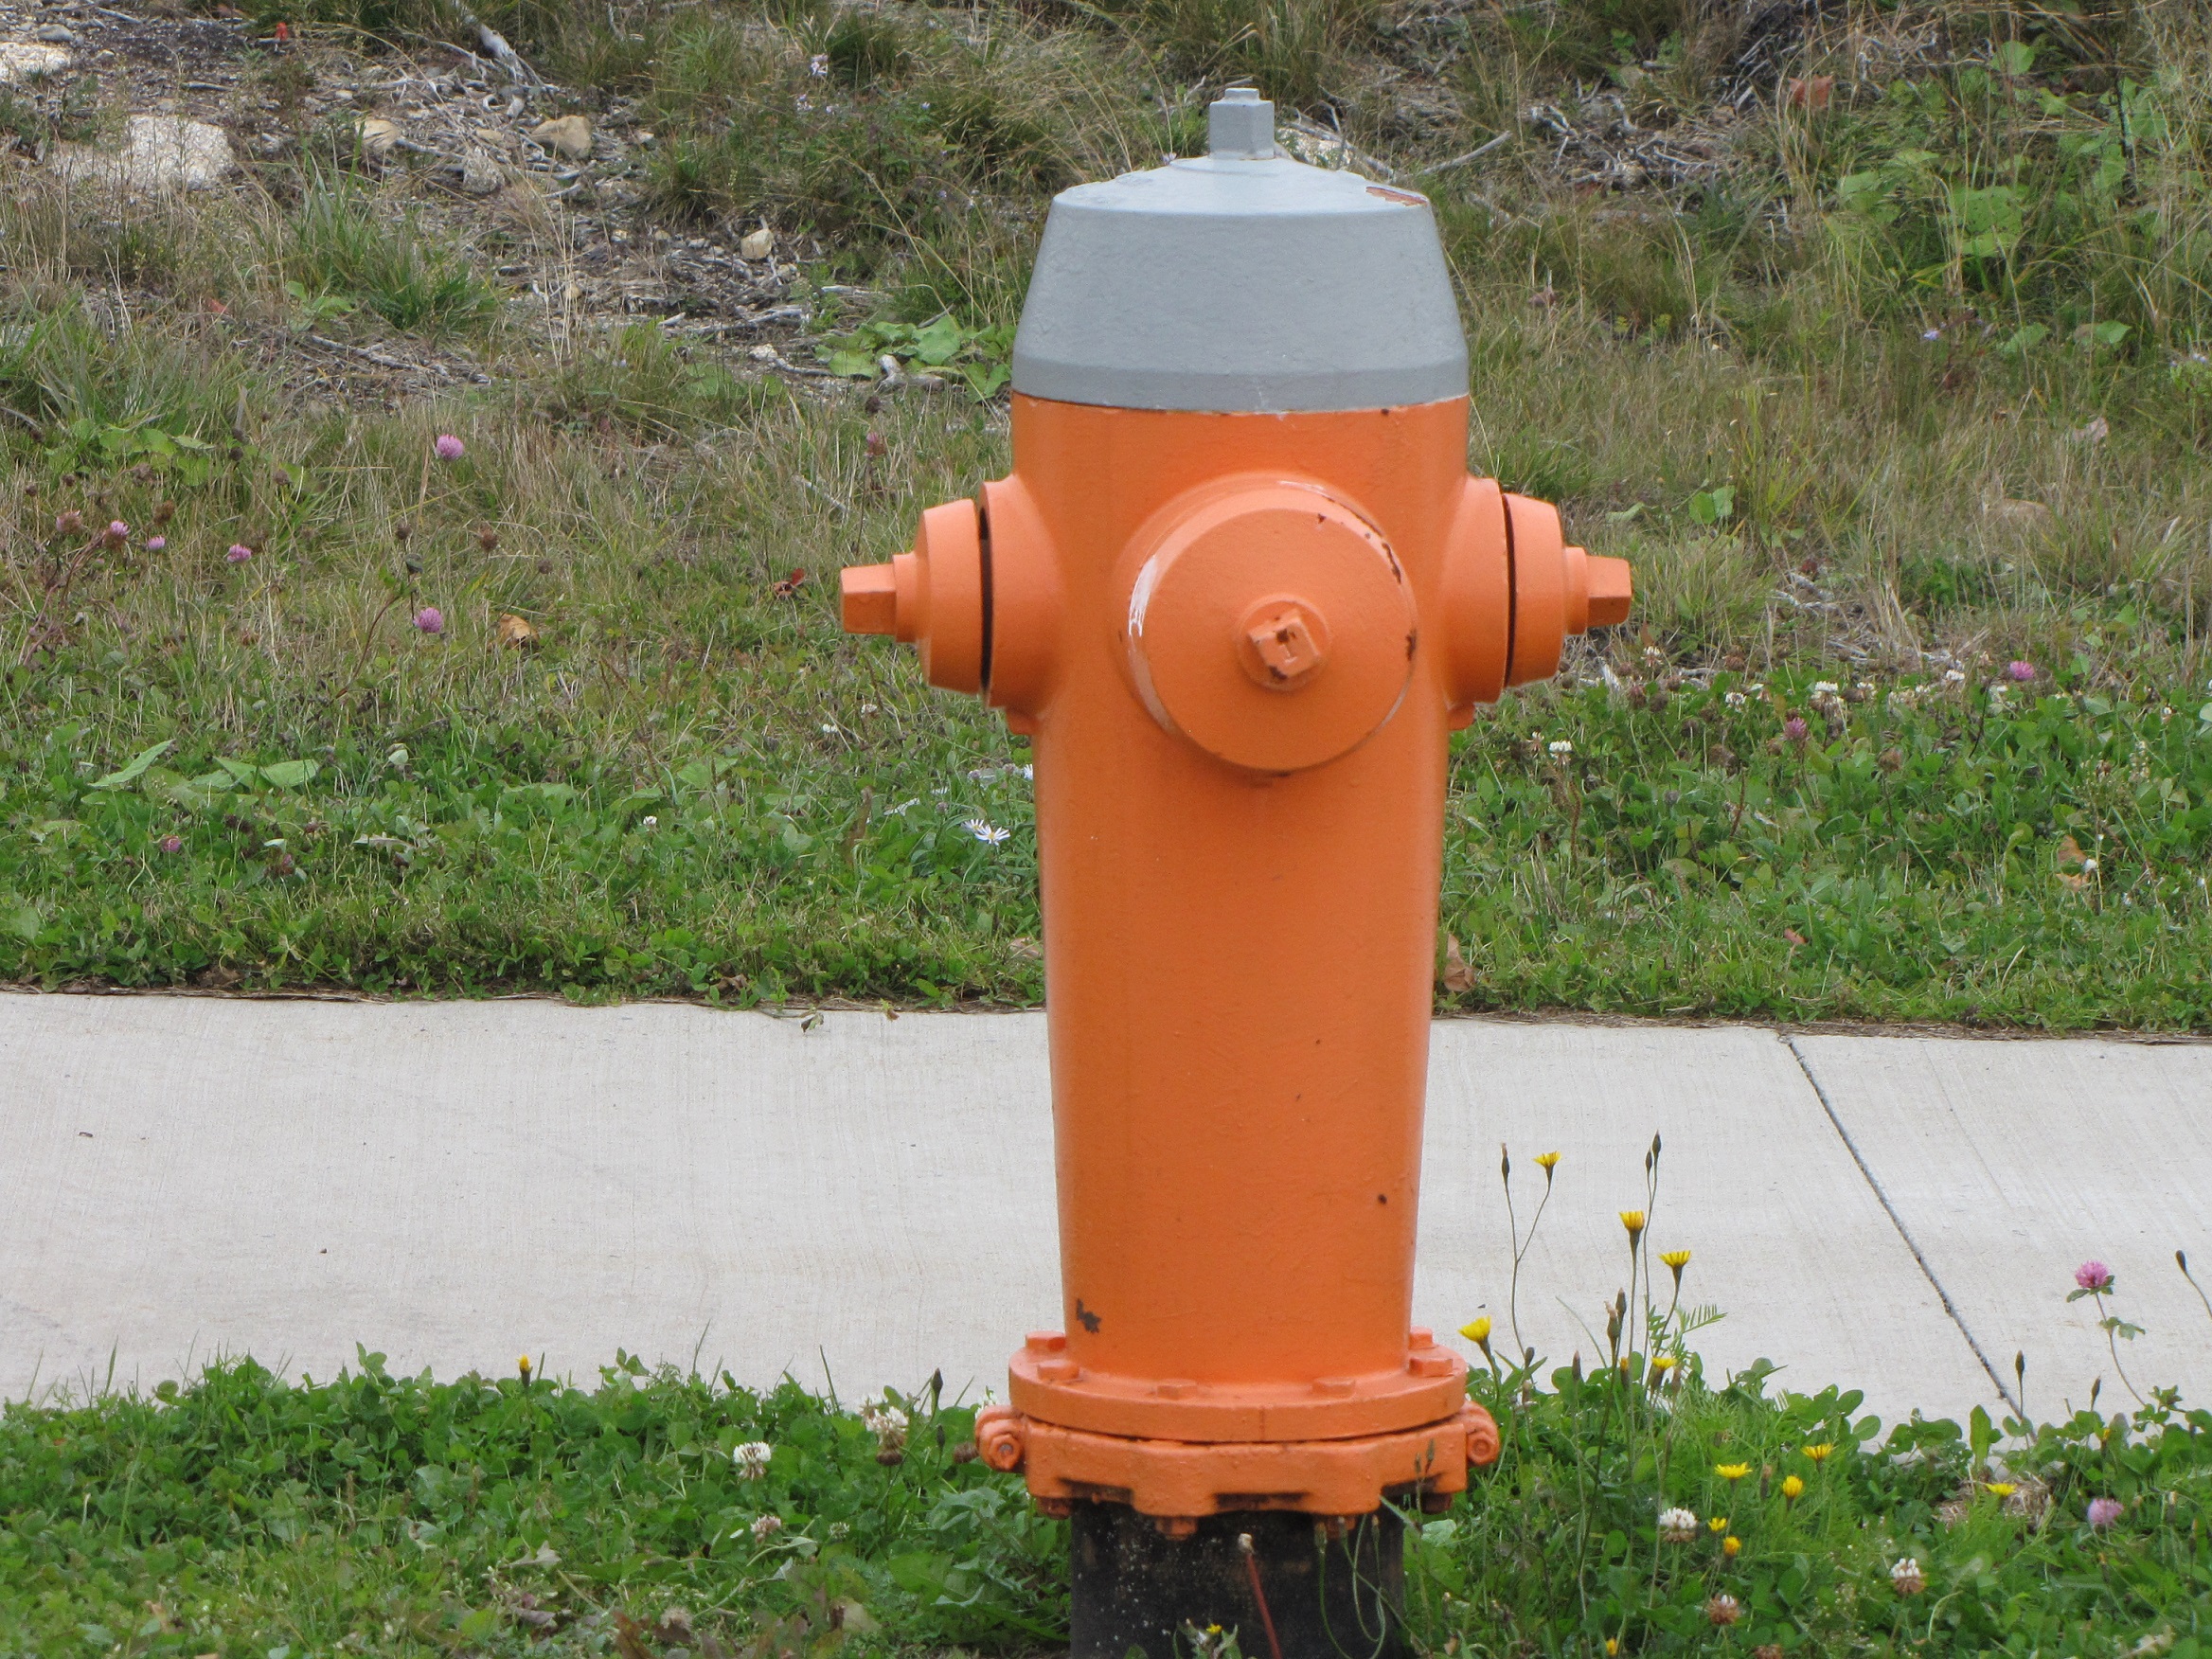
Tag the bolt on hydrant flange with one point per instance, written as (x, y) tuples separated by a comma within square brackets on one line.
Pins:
[(1237, 589)]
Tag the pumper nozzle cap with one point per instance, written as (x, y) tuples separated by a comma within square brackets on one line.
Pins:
[(1240, 125)]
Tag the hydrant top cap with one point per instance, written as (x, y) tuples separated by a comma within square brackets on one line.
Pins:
[(1240, 280)]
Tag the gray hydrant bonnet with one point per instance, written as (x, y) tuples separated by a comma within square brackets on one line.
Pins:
[(1240, 280)]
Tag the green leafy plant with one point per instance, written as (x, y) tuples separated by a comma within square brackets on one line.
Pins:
[(978, 357)]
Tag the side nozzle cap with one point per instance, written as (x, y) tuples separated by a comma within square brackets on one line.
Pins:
[(870, 598), (1611, 592), (1241, 125)]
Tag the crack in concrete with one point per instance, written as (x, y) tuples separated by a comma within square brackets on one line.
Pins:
[(1835, 1119)]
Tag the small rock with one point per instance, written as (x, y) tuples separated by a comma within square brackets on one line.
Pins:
[(378, 136), (19, 62), (756, 244), (480, 174), (2019, 515), (2096, 432), (159, 154), (568, 136), (54, 35)]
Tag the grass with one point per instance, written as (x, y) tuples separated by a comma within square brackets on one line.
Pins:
[(1639, 1506), (245, 1513), (1903, 385)]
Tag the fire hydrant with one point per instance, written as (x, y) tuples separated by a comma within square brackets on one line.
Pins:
[(1237, 589)]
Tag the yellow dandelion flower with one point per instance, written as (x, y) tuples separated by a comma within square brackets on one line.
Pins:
[(1821, 1452), (1677, 1260), (2003, 1488), (1611, 1647), (1792, 1486), (1477, 1331), (1731, 1471), (1633, 1222), (1661, 1364), (1732, 1546), (1547, 1162), (1719, 1523)]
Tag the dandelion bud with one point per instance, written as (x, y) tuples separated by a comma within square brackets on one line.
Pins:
[(1478, 1332), (523, 1366), (1792, 1486), (1732, 1546), (1906, 1579)]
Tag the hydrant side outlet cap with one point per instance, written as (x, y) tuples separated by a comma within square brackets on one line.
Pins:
[(1237, 283)]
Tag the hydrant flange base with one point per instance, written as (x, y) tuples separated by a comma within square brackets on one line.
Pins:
[(1051, 1387), (1317, 1477)]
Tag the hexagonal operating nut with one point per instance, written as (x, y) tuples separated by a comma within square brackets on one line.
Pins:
[(1002, 1437), (1240, 125)]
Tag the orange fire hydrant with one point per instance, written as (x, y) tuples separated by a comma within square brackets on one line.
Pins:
[(1236, 590)]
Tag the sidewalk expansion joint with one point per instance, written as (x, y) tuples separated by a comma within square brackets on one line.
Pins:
[(1896, 1221)]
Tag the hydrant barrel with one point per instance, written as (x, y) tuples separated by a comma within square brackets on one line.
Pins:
[(1237, 589)]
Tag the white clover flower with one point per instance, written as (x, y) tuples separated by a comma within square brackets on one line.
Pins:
[(767, 1528), (1561, 746), (1734, 699), (985, 831), (900, 809), (1677, 1526), (1825, 688), (649, 822), (818, 65), (1954, 677), (1906, 1579), (752, 1459)]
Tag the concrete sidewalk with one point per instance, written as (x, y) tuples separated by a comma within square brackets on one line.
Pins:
[(867, 1199)]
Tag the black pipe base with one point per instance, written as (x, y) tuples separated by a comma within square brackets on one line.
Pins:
[(1335, 1590)]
